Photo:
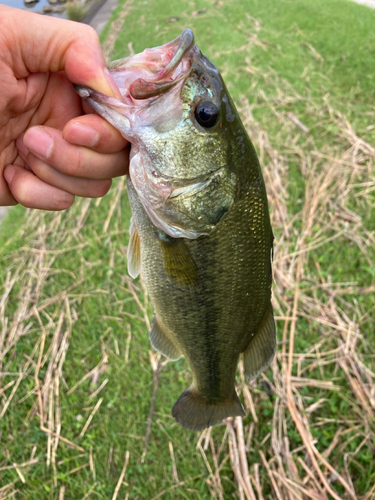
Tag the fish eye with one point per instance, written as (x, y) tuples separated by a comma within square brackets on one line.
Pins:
[(206, 114)]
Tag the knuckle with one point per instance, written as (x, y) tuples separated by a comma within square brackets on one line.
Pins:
[(75, 166), (92, 34)]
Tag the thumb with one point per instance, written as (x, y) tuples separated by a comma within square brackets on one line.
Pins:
[(37, 44)]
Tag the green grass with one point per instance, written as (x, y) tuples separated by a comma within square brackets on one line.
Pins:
[(312, 59)]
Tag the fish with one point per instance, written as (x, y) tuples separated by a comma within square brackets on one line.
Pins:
[(200, 231)]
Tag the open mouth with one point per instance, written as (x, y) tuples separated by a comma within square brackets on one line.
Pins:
[(154, 71), (144, 77), (143, 89)]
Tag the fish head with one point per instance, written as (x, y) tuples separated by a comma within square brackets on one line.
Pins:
[(177, 114)]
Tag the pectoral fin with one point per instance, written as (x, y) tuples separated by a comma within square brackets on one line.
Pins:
[(134, 251), (161, 341), (261, 349), (178, 262)]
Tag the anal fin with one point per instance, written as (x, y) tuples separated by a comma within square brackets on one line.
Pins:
[(262, 347), (134, 251), (161, 341)]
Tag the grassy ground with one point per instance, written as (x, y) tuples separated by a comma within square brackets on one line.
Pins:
[(77, 376)]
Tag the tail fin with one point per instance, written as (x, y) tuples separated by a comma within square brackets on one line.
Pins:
[(194, 412)]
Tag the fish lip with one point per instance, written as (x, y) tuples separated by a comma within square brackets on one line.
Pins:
[(177, 188), (98, 97), (188, 189), (197, 184), (173, 189)]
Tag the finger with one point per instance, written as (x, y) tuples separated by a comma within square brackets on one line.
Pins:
[(6, 197), (32, 192), (86, 188), (49, 146), (95, 133), (38, 45)]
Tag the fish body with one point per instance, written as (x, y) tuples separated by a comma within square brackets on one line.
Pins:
[(200, 232)]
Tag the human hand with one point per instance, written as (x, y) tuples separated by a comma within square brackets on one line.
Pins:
[(63, 154)]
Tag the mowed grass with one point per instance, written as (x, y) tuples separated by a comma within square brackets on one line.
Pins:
[(77, 373)]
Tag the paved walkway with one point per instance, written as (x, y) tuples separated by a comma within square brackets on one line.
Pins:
[(369, 3), (100, 16), (3, 211)]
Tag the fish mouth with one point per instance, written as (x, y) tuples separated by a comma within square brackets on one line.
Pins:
[(144, 89), (145, 80), (154, 71)]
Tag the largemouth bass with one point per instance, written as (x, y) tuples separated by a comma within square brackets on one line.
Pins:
[(200, 231)]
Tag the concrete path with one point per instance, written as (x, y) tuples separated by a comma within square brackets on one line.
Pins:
[(3, 211), (369, 3), (101, 14)]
